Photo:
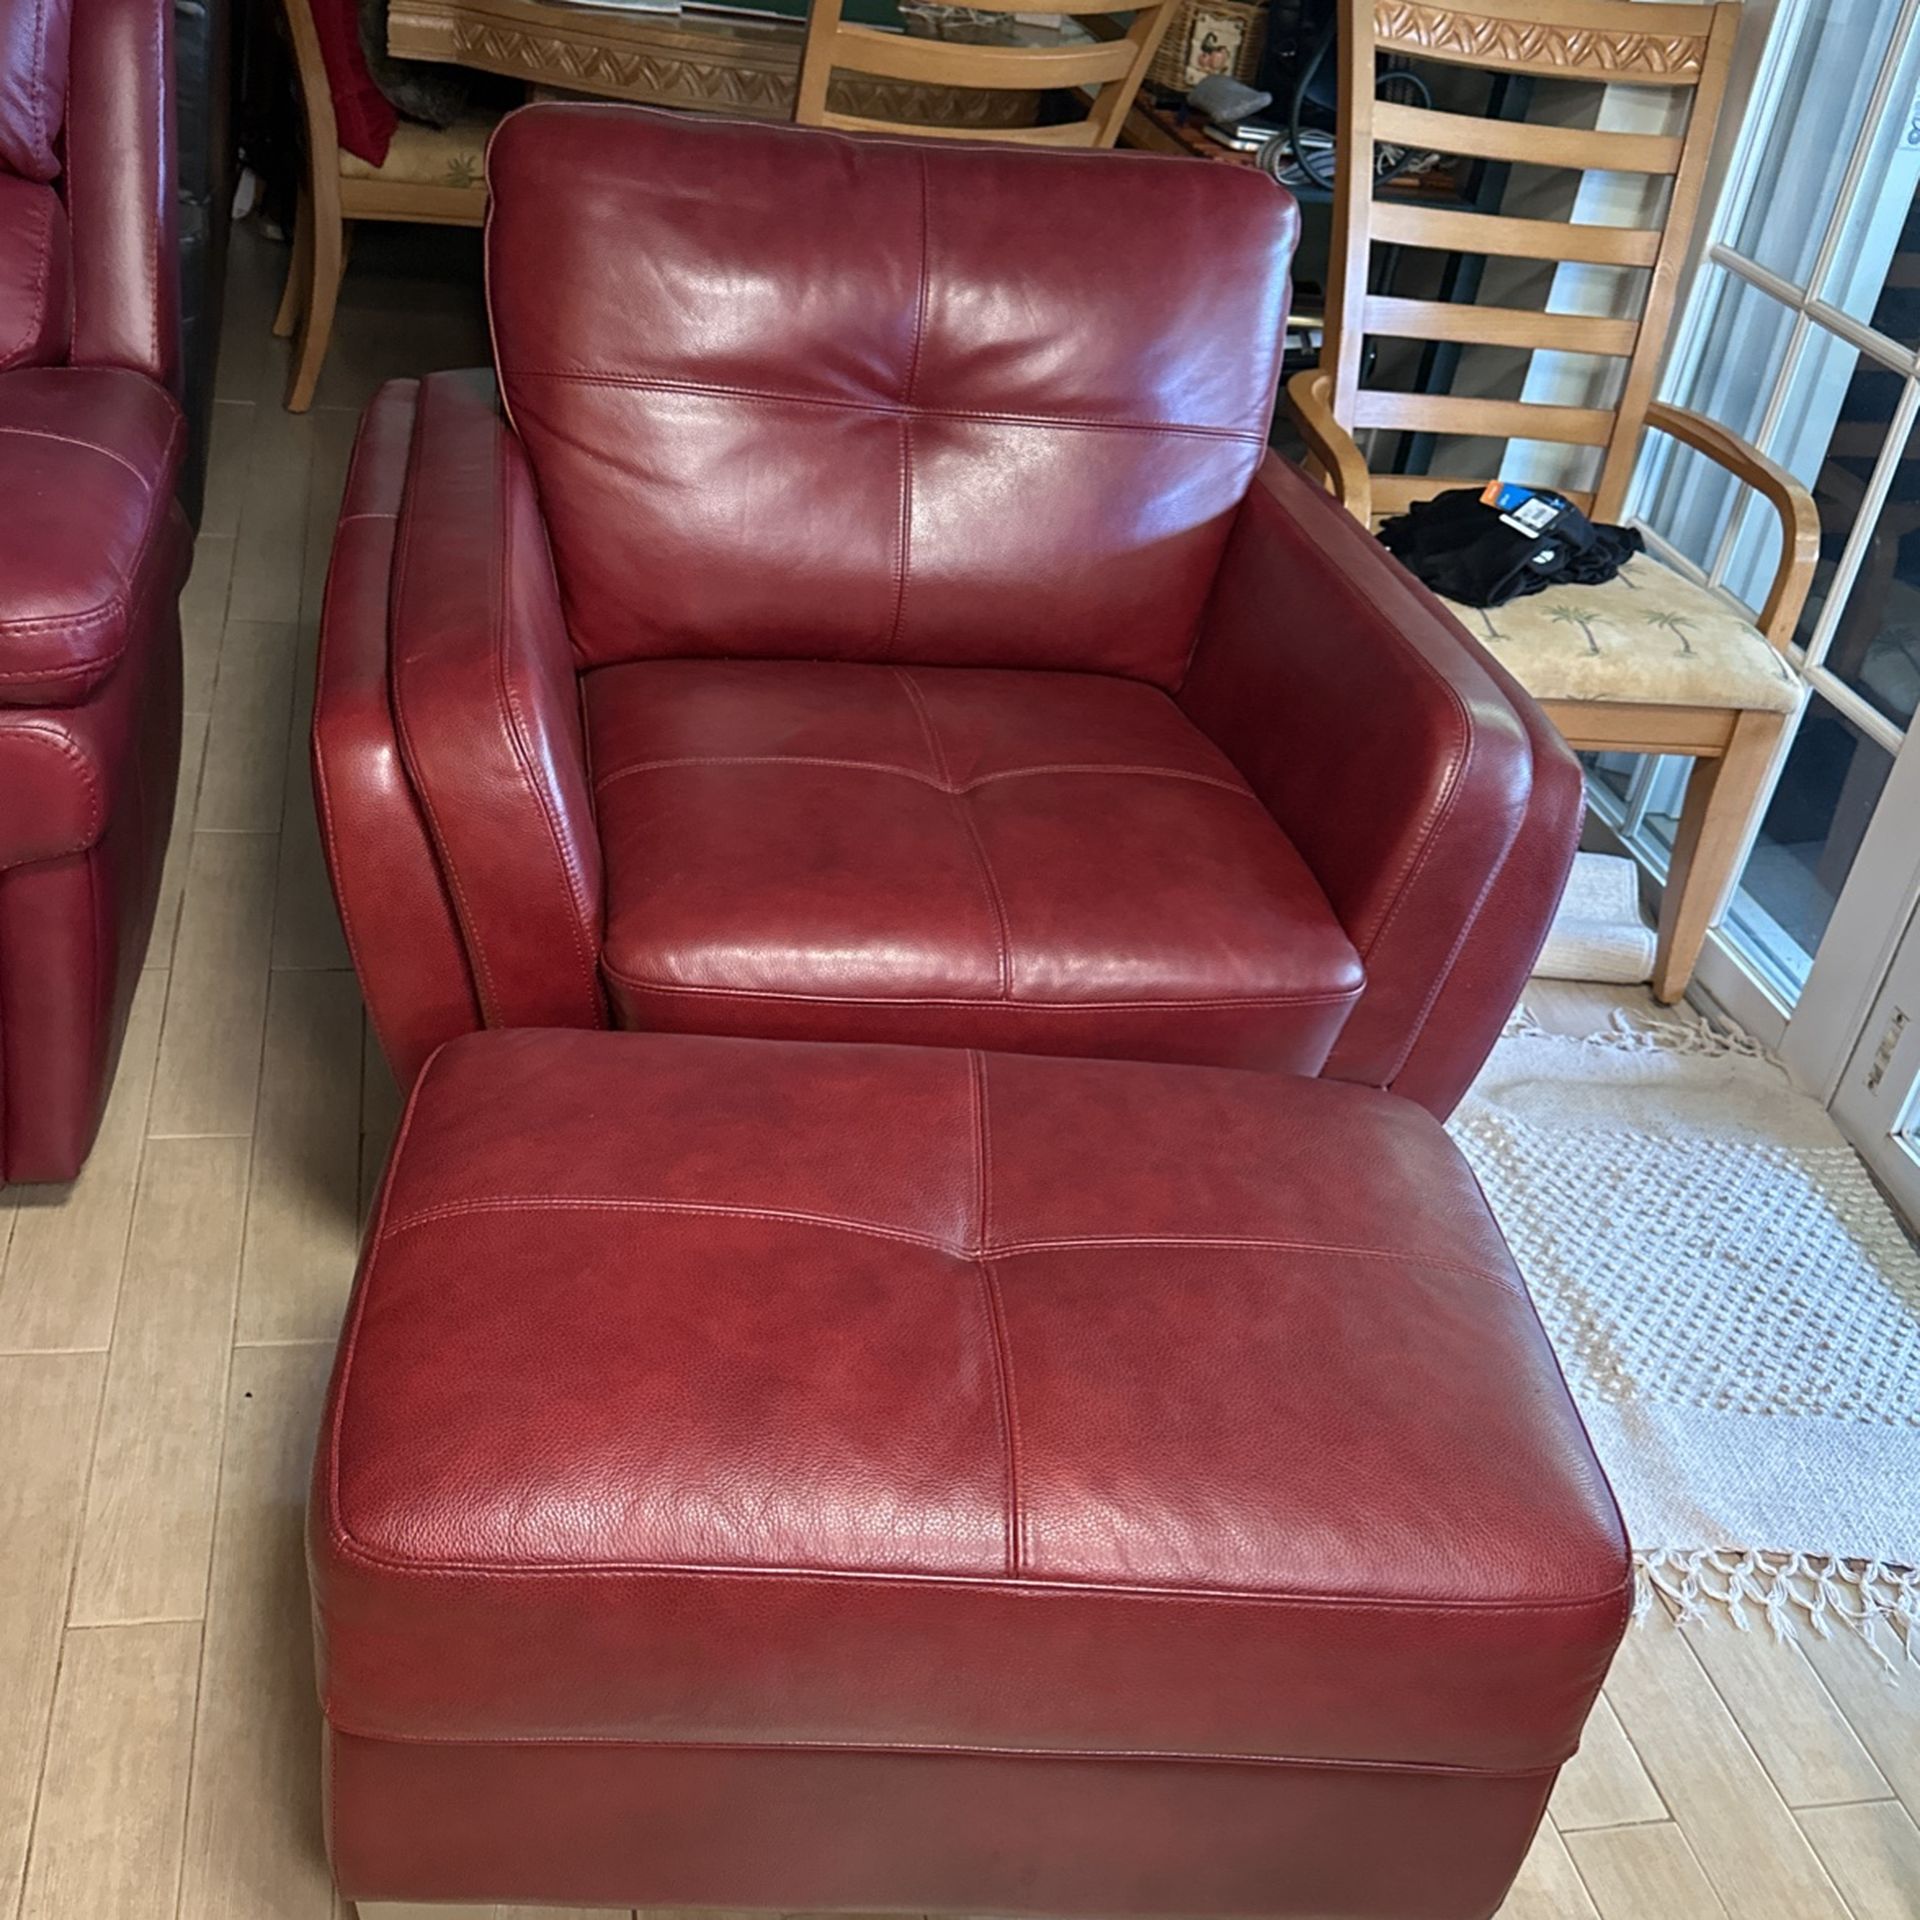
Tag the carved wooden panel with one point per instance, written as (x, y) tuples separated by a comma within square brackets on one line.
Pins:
[(1406, 26), (749, 69)]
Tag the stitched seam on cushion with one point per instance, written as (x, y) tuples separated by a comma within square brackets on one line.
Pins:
[(342, 1724), (996, 1319), (903, 545), (1345, 997), (402, 573), (932, 1243), (350, 1547), (86, 446), (997, 906), (1128, 770), (64, 746), (647, 383), (516, 730)]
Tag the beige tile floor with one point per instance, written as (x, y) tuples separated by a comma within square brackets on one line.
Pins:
[(165, 1326)]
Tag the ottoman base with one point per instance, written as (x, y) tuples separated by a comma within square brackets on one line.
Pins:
[(633, 1826)]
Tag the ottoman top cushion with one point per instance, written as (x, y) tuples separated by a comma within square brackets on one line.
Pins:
[(728, 1391)]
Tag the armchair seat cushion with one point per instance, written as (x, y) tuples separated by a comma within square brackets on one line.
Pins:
[(1025, 861), (1648, 636)]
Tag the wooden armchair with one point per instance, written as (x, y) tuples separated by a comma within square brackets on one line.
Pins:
[(1111, 64), (1650, 662), (432, 175)]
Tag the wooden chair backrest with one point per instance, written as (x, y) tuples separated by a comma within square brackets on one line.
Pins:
[(1113, 65), (1632, 42), (316, 97)]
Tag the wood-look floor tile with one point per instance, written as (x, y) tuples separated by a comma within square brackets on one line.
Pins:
[(203, 618), (1644, 1873), (209, 1070), (149, 1524), (306, 924), (334, 430), (253, 1813), (243, 780), (230, 445), (47, 1408), (303, 1214), (60, 1274), (1549, 1886), (1873, 1852), (1813, 1756), (1756, 1858), (1882, 1706), (270, 542), (107, 1840), (173, 872), (1604, 1784)]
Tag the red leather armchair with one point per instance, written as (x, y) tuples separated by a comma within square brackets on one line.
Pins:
[(868, 611), (93, 550)]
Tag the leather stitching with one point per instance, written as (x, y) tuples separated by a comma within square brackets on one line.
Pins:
[(1225, 1003), (344, 1543), (997, 1342), (341, 1724), (929, 1242), (986, 416), (89, 446), (1238, 788), (515, 728), (996, 905)]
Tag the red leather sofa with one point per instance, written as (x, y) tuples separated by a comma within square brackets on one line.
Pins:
[(867, 610), (93, 550)]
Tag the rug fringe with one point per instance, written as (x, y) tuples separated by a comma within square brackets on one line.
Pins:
[(1630, 1031), (1870, 1598)]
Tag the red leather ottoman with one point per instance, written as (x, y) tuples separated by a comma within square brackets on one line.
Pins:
[(833, 1478)]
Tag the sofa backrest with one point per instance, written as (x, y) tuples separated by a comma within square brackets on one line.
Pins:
[(89, 268), (789, 393)]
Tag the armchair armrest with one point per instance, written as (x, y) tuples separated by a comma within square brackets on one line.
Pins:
[(1434, 803), (1799, 517), (486, 706), (89, 533), (1335, 451)]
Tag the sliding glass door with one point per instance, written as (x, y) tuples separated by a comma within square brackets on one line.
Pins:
[(1803, 334)]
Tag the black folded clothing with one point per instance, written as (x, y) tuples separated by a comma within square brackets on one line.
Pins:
[(1484, 547)]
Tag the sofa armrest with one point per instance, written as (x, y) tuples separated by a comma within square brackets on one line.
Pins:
[(486, 704), (1432, 800), (88, 461)]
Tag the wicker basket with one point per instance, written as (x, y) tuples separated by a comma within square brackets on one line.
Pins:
[(1210, 36)]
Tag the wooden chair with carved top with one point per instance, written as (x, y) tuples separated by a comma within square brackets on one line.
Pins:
[(1108, 66), (1649, 662)]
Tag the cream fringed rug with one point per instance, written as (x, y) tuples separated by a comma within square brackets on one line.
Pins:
[(1736, 1309)]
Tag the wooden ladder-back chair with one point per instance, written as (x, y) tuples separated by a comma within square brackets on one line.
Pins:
[(1649, 662), (1111, 64), (431, 175)]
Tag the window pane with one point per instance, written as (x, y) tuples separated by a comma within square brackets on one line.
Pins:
[(1813, 828), (1805, 438), (1814, 115), (1874, 275), (1684, 497), (1875, 646)]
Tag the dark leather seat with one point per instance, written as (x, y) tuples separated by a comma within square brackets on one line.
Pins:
[(874, 615), (93, 551), (838, 1479)]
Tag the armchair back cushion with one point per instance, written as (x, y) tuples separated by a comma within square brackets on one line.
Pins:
[(1005, 424), (36, 275)]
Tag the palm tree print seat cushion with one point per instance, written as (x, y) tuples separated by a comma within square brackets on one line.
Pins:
[(1647, 636)]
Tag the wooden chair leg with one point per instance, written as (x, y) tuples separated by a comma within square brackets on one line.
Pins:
[(316, 327), (1721, 796), (293, 296)]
